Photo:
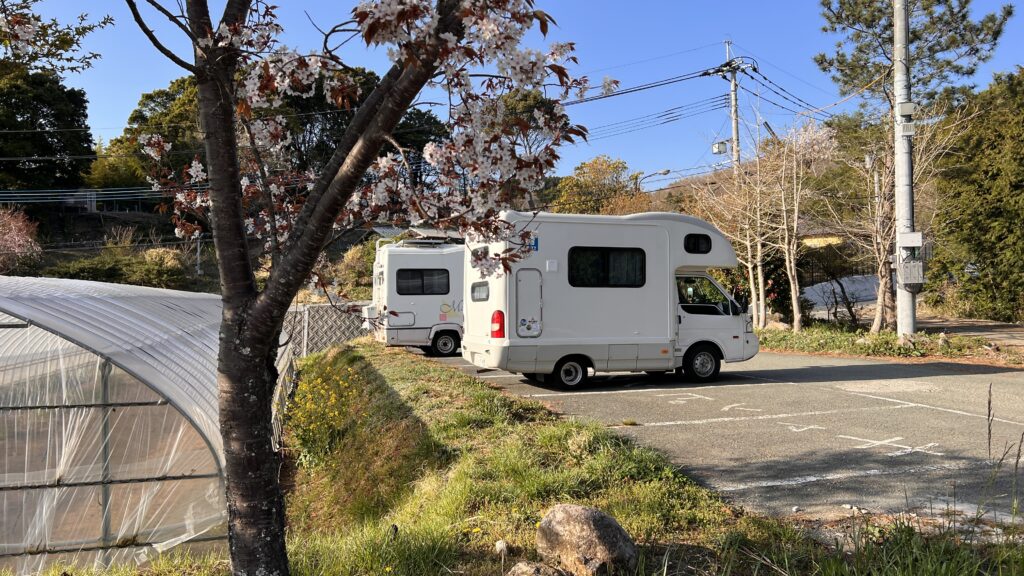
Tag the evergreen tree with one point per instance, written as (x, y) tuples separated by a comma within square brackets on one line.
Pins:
[(981, 240), (45, 123)]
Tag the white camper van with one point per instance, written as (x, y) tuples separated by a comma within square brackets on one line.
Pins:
[(417, 295), (607, 293)]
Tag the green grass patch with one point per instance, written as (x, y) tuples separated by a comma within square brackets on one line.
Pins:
[(823, 337), (410, 467)]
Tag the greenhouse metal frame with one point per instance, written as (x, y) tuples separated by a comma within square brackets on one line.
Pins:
[(110, 448)]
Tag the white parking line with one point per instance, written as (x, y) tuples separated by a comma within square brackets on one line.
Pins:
[(666, 388), (939, 408), (771, 416), (797, 480)]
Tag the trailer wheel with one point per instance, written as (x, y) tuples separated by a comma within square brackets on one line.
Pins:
[(702, 363), (571, 372), (445, 344)]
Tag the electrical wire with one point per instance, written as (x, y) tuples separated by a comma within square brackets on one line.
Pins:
[(642, 87)]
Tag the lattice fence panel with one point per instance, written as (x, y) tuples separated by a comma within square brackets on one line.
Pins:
[(316, 327)]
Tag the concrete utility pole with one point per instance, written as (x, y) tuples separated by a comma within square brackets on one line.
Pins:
[(907, 261), (734, 110)]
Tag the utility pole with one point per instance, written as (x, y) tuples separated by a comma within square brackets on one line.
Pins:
[(734, 110), (907, 261)]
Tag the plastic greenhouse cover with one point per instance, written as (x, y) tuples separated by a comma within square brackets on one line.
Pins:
[(109, 447)]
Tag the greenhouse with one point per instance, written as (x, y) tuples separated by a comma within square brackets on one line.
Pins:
[(109, 443)]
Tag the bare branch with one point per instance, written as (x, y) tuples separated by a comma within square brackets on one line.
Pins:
[(156, 42), (176, 19)]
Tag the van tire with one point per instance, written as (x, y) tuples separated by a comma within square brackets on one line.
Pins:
[(702, 363), (571, 372), (445, 344)]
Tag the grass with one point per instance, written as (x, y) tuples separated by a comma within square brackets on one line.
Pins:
[(409, 467), (825, 337)]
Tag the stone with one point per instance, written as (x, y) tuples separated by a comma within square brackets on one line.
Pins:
[(585, 542), (796, 508), (501, 548), (534, 569), (777, 325)]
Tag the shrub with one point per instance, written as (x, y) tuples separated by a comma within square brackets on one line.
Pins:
[(18, 243), (354, 273), (158, 268)]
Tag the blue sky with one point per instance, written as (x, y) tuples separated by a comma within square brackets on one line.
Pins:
[(634, 42)]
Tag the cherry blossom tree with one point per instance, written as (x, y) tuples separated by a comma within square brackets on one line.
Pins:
[(470, 51)]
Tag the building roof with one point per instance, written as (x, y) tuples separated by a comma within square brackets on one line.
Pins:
[(165, 338)]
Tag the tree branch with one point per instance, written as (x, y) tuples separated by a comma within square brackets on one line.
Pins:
[(173, 18), (155, 41)]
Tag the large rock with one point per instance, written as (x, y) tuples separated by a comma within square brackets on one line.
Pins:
[(585, 541), (534, 569)]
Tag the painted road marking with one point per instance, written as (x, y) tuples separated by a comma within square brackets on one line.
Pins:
[(737, 406), (797, 480), (771, 416), (800, 427), (903, 450), (949, 410), (684, 397)]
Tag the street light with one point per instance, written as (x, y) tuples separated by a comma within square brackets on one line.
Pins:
[(664, 172)]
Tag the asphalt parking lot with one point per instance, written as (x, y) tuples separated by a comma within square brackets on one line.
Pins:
[(821, 433)]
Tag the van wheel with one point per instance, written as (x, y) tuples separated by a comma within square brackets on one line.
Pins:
[(444, 344), (572, 372), (702, 363)]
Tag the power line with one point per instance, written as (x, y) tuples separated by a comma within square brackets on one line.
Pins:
[(646, 60), (774, 88), (783, 70), (773, 102), (668, 111), (668, 120), (647, 86)]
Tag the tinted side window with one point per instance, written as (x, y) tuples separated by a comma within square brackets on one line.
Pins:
[(422, 282), (599, 267), (480, 291), (697, 243)]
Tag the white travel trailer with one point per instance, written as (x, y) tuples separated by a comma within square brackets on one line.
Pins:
[(607, 293), (417, 295)]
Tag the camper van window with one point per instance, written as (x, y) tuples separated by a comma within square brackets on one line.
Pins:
[(480, 291), (598, 267), (422, 282), (697, 243), (699, 295)]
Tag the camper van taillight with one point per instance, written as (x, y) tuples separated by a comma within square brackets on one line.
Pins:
[(498, 324)]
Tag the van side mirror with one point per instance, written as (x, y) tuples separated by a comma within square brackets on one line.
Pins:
[(743, 304)]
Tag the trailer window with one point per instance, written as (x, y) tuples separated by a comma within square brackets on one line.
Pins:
[(422, 282), (599, 267), (697, 243), (480, 291)]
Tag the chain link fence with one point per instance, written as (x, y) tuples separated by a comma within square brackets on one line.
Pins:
[(316, 327)]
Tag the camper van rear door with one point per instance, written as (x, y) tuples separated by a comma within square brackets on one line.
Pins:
[(529, 303)]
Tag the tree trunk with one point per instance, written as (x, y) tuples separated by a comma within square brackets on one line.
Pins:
[(762, 293), (246, 375), (794, 291), (881, 298), (256, 512)]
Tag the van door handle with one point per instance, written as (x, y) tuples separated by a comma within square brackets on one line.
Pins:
[(679, 319)]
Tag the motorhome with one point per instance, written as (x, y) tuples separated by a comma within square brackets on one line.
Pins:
[(417, 295), (606, 293)]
